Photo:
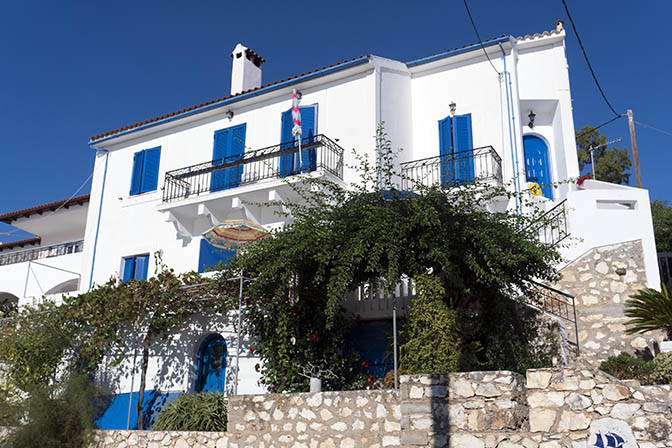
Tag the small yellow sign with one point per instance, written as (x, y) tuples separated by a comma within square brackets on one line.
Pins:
[(534, 188)]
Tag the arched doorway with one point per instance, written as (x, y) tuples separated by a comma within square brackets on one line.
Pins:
[(537, 167), (211, 365)]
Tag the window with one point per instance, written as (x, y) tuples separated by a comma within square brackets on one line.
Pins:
[(135, 267), (305, 161), (229, 148), (210, 256), (456, 149), (145, 170)]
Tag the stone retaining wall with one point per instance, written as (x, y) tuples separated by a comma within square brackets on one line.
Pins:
[(601, 281), (549, 408)]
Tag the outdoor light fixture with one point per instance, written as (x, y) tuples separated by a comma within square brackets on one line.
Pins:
[(453, 107), (299, 94), (229, 114), (531, 117)]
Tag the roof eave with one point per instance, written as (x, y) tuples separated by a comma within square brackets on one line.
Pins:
[(458, 51), (236, 99)]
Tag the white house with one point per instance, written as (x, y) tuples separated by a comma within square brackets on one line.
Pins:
[(160, 183)]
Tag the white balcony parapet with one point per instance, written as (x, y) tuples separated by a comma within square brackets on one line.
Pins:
[(365, 303), (38, 253)]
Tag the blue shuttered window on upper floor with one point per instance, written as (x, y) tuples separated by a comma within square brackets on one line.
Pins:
[(456, 144), (211, 257), (304, 161), (145, 170), (228, 149), (135, 267)]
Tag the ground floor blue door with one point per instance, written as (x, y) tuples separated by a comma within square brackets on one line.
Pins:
[(212, 365), (373, 342)]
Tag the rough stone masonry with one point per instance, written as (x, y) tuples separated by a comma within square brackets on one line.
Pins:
[(549, 408)]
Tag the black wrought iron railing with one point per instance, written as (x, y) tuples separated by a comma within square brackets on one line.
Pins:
[(283, 160), (453, 169), (551, 227), (55, 250), (558, 304)]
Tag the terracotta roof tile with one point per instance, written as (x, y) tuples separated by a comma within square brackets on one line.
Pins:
[(20, 243), (49, 206)]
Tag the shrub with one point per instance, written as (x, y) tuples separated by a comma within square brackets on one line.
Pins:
[(662, 368), (59, 415), (650, 310), (626, 367), (204, 411)]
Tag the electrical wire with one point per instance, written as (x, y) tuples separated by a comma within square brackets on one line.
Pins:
[(59, 207), (598, 127), (480, 41), (590, 67), (648, 126)]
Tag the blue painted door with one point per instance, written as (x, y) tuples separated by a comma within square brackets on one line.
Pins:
[(229, 146), (373, 342), (292, 163), (212, 365), (210, 256), (537, 168), (455, 146)]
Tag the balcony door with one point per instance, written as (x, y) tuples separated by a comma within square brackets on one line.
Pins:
[(229, 146), (294, 163), (455, 145), (537, 168)]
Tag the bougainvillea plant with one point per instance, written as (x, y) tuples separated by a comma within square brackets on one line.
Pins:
[(373, 232)]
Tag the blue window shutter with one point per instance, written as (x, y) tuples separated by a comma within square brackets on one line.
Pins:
[(138, 159), (445, 150), (141, 262), (219, 152), (150, 170), (286, 137), (235, 151), (210, 255), (128, 269), (464, 162), (308, 131)]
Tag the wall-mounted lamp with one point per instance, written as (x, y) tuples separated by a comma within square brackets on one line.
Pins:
[(531, 116), (453, 108), (299, 94), (229, 114)]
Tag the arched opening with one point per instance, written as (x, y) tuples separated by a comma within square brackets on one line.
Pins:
[(8, 303), (537, 166), (211, 375), (66, 286)]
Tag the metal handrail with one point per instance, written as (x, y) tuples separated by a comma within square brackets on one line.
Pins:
[(55, 250), (552, 225), (253, 166), (481, 163), (556, 303)]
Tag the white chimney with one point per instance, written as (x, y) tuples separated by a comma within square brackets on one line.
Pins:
[(246, 69)]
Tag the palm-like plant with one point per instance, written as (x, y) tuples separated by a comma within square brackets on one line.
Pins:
[(650, 310)]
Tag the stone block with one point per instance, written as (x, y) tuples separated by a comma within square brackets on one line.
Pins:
[(538, 379), (465, 440), (541, 420), (615, 392)]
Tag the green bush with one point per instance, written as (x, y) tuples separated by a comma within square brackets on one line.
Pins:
[(59, 415), (204, 411), (628, 367), (662, 368)]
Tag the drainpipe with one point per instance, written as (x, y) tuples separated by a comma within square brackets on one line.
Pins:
[(513, 143), (100, 209)]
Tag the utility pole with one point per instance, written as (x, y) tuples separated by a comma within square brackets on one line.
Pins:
[(635, 153)]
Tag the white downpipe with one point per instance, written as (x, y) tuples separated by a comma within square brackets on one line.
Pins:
[(513, 145)]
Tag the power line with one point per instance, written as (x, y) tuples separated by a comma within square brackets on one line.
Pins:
[(480, 41), (648, 126), (598, 127), (590, 67)]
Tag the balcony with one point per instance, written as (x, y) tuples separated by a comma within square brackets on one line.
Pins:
[(482, 164), (317, 153), (55, 250), (368, 303)]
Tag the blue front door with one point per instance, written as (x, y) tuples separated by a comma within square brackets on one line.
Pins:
[(212, 365), (455, 146), (537, 168), (228, 147), (292, 163)]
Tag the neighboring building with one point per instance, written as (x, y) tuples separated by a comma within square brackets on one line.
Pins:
[(160, 183), (50, 263)]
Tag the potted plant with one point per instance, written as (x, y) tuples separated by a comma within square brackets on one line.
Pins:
[(651, 310), (316, 375)]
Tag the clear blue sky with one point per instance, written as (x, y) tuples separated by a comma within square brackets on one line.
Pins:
[(73, 69)]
